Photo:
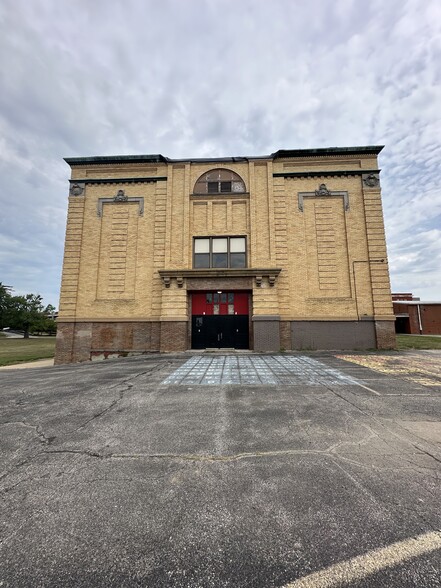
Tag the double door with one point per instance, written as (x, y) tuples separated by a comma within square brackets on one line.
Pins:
[(220, 320)]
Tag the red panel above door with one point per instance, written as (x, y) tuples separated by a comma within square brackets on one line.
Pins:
[(219, 303)]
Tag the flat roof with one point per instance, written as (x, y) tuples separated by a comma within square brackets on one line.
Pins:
[(415, 302), (281, 153)]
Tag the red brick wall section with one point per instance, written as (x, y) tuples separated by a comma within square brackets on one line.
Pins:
[(413, 320), (174, 335), (112, 336), (125, 337), (64, 343), (147, 336), (385, 333), (73, 342), (78, 341), (402, 296), (431, 319), (82, 342)]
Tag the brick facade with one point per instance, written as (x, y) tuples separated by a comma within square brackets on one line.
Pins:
[(315, 250), (416, 317)]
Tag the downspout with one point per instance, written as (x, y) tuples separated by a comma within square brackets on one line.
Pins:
[(420, 324)]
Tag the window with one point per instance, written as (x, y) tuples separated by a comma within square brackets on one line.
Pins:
[(219, 252), (219, 187), (219, 181)]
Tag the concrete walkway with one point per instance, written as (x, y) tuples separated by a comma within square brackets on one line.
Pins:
[(38, 363)]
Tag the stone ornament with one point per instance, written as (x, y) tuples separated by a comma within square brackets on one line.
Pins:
[(371, 180), (76, 189), (322, 191), (271, 280), (120, 196)]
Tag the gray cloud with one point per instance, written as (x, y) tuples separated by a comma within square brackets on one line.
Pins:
[(214, 78)]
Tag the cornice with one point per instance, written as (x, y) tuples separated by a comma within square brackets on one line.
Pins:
[(146, 180), (112, 159), (327, 151), (325, 173), (365, 151)]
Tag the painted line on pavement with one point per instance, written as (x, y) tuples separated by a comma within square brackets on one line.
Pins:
[(367, 388), (370, 563)]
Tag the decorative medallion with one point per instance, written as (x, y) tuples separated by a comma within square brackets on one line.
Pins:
[(238, 187), (322, 191), (120, 196), (76, 190), (372, 180)]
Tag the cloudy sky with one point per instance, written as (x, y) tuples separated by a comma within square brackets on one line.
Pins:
[(193, 78)]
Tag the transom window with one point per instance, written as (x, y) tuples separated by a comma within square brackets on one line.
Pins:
[(219, 252), (219, 181)]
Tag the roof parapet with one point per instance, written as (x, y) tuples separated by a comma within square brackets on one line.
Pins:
[(281, 153)]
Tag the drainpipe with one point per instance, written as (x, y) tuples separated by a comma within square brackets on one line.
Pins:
[(420, 324)]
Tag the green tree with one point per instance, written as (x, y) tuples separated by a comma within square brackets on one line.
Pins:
[(5, 298), (25, 313)]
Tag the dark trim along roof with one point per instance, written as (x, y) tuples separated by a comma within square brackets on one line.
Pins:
[(281, 153), (116, 159), (119, 180), (329, 173), (366, 150)]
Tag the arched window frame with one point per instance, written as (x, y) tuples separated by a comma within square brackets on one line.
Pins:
[(219, 181)]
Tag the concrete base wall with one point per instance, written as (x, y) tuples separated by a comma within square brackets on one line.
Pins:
[(285, 335), (266, 333), (333, 335), (84, 341)]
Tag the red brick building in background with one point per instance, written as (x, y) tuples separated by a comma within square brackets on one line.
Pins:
[(416, 317)]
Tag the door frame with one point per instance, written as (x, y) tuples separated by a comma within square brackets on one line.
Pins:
[(247, 291)]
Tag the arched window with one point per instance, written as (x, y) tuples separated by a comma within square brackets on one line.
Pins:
[(219, 181)]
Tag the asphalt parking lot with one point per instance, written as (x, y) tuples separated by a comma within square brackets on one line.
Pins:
[(316, 470)]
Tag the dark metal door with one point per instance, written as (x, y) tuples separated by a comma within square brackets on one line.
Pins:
[(220, 320), (220, 332)]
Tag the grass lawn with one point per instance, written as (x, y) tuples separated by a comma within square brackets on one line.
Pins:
[(418, 342), (20, 350)]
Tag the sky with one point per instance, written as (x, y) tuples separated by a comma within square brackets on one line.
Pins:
[(215, 78)]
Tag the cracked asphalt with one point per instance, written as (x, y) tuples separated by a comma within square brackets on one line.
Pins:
[(111, 476)]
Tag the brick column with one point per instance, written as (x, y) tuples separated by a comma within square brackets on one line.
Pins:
[(64, 349), (379, 269)]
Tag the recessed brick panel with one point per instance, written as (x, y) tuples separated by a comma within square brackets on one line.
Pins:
[(333, 335)]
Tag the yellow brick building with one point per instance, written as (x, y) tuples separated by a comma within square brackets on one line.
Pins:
[(285, 251)]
